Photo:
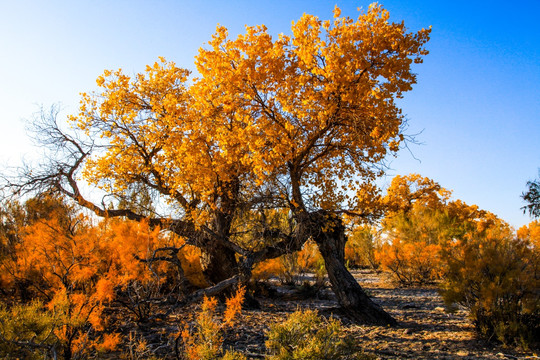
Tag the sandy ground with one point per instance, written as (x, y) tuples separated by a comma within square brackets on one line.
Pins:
[(425, 331)]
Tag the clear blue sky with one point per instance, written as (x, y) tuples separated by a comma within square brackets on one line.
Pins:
[(477, 99)]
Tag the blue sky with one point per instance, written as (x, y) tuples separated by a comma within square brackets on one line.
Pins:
[(476, 104)]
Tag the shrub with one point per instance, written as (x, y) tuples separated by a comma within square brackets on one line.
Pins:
[(306, 335), (411, 262), (190, 258), (233, 355), (37, 331), (204, 341), (287, 268), (497, 277), (27, 331), (136, 348), (269, 268)]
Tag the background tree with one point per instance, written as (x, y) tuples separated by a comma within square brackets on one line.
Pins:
[(530, 233), (421, 221), (361, 245), (532, 197), (415, 226)]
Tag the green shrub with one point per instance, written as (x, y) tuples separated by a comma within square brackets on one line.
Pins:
[(233, 355), (205, 340), (26, 332), (306, 335), (497, 277)]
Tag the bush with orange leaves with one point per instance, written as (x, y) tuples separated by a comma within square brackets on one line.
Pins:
[(412, 251), (411, 263), (268, 269), (415, 228), (61, 259), (60, 269), (76, 268), (204, 341), (288, 268)]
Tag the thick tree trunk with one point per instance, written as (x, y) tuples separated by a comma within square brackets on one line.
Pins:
[(218, 263), (357, 304)]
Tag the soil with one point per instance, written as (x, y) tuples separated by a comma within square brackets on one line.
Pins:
[(426, 330)]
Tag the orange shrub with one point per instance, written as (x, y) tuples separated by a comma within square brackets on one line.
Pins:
[(109, 342), (190, 258), (411, 263), (77, 268), (287, 267), (309, 259), (234, 306), (204, 342), (268, 268)]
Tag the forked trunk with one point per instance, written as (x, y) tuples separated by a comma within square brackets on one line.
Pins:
[(357, 304), (218, 263)]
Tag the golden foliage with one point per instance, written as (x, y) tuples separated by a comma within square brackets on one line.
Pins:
[(326, 88), (268, 268), (287, 267), (404, 191), (411, 263), (190, 258), (321, 100), (530, 233), (483, 265), (109, 342), (77, 268)]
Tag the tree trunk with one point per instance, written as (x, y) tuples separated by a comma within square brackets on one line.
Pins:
[(218, 263), (357, 304)]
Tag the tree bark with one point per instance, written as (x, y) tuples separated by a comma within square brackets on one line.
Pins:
[(218, 263), (331, 241)]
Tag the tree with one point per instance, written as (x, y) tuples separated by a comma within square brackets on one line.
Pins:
[(420, 222), (532, 197), (415, 226), (298, 124), (530, 233), (324, 98)]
